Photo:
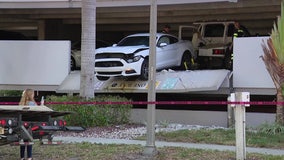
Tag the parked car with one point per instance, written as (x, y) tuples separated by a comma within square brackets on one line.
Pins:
[(130, 57), (76, 52), (11, 35)]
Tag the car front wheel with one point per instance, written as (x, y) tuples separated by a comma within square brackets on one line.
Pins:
[(144, 69)]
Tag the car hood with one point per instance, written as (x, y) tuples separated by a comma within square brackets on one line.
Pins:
[(121, 49)]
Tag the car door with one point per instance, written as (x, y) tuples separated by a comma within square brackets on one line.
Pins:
[(166, 52)]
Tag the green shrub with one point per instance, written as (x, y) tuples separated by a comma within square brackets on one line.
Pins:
[(87, 114), (6, 93)]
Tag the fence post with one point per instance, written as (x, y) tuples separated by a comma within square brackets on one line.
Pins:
[(240, 126)]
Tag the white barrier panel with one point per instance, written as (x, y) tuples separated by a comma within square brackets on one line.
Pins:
[(34, 62), (166, 81), (249, 69)]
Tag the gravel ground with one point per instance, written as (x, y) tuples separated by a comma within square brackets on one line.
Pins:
[(130, 131)]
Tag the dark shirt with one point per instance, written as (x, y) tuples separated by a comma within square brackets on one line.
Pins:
[(239, 33)]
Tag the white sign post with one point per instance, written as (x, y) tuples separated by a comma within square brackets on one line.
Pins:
[(240, 110)]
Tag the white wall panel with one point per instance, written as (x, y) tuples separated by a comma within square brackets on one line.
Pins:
[(34, 62), (249, 70)]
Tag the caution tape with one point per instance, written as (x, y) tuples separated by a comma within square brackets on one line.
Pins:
[(158, 103), (21, 143), (51, 142)]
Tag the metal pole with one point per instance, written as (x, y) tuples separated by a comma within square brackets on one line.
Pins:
[(150, 148)]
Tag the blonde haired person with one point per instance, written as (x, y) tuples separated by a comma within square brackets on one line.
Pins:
[(27, 99)]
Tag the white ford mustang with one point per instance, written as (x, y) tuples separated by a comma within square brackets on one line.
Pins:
[(130, 57)]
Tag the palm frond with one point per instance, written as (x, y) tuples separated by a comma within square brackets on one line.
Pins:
[(274, 60), (277, 36), (271, 62)]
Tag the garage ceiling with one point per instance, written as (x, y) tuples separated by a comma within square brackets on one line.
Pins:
[(257, 15)]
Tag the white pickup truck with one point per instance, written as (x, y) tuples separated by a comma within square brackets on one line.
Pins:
[(212, 42), (130, 57)]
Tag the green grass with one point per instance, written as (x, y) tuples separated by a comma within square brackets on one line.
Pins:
[(88, 151), (222, 137)]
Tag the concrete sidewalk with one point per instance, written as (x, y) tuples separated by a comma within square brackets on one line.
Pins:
[(170, 144)]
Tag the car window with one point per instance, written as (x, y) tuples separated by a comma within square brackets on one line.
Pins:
[(167, 39), (134, 41), (173, 40), (214, 30), (164, 39)]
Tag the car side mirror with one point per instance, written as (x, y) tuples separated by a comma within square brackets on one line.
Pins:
[(163, 44)]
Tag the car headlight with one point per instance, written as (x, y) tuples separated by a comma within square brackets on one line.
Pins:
[(134, 59)]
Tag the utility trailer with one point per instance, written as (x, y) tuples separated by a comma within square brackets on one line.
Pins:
[(21, 125)]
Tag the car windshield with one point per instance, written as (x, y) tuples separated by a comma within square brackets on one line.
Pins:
[(134, 41)]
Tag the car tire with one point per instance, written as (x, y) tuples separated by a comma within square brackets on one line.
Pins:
[(186, 61), (102, 78), (144, 70)]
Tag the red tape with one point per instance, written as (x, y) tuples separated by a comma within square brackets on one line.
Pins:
[(160, 103)]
